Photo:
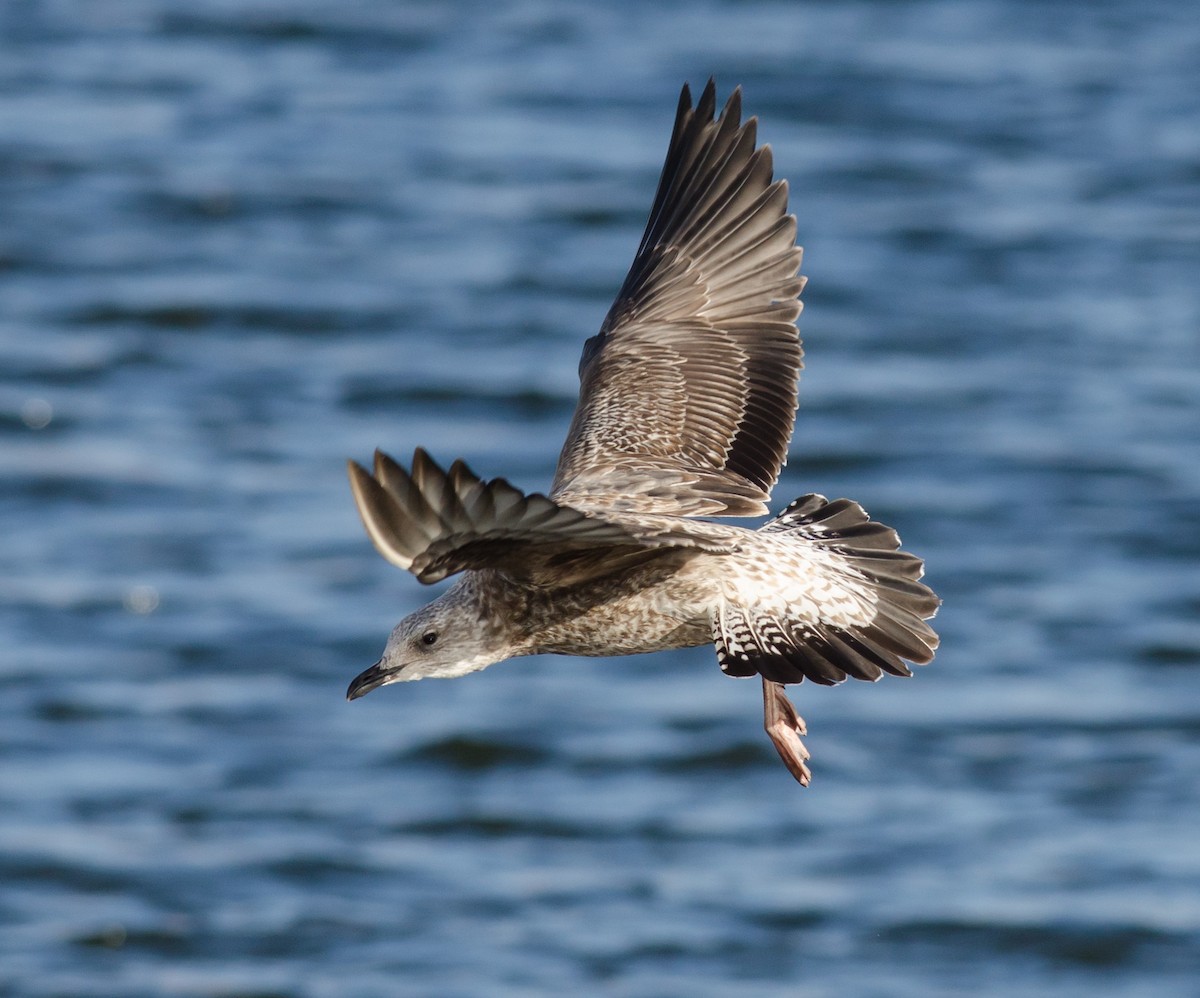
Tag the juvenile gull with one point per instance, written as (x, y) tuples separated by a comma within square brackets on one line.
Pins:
[(686, 406)]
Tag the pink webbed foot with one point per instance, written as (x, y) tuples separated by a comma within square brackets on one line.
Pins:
[(785, 726)]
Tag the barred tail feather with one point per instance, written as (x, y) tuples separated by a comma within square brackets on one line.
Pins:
[(790, 647)]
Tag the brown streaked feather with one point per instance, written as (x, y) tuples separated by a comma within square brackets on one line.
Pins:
[(785, 648), (688, 392), (435, 523)]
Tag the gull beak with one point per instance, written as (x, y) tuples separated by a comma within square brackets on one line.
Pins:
[(373, 678)]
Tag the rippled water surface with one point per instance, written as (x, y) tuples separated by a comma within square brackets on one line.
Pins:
[(241, 242)]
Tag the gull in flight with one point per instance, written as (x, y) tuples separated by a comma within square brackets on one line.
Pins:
[(686, 406)]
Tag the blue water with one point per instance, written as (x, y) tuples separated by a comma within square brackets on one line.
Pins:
[(240, 243)]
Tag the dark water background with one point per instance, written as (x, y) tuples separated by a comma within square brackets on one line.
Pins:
[(240, 242)]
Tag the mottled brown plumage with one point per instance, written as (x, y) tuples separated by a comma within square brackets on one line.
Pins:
[(688, 392), (687, 401)]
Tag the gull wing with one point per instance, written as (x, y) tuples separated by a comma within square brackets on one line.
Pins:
[(688, 392), (435, 523)]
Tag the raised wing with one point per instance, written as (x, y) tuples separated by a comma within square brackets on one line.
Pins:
[(688, 392), (434, 523)]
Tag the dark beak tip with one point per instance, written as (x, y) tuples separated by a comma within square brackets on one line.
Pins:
[(364, 682)]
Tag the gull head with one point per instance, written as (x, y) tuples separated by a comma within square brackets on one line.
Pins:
[(449, 637)]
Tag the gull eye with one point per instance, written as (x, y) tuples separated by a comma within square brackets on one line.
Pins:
[(429, 638)]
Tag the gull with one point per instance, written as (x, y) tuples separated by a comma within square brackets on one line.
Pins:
[(686, 407)]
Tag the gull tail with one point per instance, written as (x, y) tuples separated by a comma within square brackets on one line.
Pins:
[(857, 563)]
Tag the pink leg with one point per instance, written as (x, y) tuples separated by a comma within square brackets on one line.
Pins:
[(785, 727)]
